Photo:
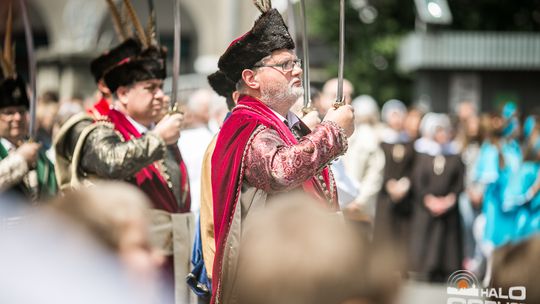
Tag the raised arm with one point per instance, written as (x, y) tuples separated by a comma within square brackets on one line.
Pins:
[(108, 156), (273, 166)]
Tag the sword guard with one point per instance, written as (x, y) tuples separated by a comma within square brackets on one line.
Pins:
[(308, 109), (174, 110), (339, 103)]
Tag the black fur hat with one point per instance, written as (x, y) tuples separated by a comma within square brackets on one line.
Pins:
[(150, 64), (13, 93), (221, 84), (107, 60), (269, 33)]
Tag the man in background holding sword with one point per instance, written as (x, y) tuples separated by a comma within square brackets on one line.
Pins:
[(25, 172), (135, 143)]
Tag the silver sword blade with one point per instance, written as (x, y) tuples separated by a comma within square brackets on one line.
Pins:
[(305, 50), (176, 57), (31, 68), (339, 95)]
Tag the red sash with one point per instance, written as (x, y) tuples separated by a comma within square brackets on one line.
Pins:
[(150, 179)]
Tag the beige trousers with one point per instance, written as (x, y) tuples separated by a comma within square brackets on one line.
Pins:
[(174, 234)]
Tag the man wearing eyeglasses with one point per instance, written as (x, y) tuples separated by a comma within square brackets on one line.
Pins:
[(264, 149), (24, 170)]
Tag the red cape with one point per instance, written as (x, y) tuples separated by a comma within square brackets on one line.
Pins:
[(100, 109), (228, 169), (149, 179)]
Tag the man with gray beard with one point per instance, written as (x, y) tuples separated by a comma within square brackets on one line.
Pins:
[(263, 148)]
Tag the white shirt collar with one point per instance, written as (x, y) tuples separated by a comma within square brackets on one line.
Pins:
[(291, 118), (140, 128), (7, 144)]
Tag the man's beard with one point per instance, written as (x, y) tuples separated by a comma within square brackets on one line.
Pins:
[(281, 93)]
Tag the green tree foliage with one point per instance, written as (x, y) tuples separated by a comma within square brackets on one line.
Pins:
[(371, 48)]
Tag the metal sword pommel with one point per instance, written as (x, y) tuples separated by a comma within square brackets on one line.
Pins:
[(339, 103), (308, 109), (175, 109)]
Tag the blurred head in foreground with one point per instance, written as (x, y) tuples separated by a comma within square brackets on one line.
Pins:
[(517, 265), (116, 215), (294, 251)]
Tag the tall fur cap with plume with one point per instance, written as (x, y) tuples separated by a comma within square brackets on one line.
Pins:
[(13, 93), (149, 64), (12, 87), (127, 49), (269, 33), (7, 56)]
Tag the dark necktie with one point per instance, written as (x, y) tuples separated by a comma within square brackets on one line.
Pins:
[(295, 129)]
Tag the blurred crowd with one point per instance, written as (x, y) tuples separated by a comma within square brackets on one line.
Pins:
[(445, 190)]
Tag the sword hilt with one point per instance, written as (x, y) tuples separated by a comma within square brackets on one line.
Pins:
[(175, 110), (339, 103), (308, 109)]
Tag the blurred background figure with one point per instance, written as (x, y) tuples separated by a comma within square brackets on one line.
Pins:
[(294, 251), (395, 200), (329, 95), (25, 171), (46, 110), (465, 110), (311, 119), (346, 186), (364, 160), (467, 142), (436, 244), (218, 111), (195, 139), (412, 122), (66, 110)]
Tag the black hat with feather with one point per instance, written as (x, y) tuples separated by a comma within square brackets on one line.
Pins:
[(127, 49), (149, 63), (12, 87)]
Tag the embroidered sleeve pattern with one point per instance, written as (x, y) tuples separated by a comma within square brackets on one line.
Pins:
[(273, 166), (107, 155), (12, 170)]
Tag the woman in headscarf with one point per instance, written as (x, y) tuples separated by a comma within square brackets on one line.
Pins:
[(392, 218), (436, 244)]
